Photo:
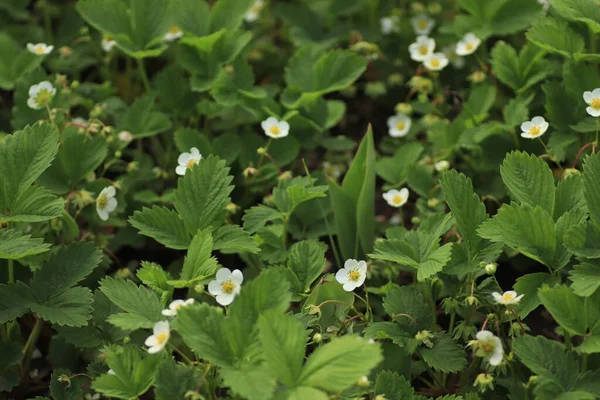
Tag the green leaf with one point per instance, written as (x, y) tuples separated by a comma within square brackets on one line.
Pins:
[(142, 306), (519, 72), (198, 263), (134, 372), (15, 299), (311, 74), (142, 120), (329, 289), (35, 204), (250, 381), (569, 195), (228, 14), (591, 185), (446, 355), (467, 208), (72, 307), (529, 180), (256, 217), (233, 239), (557, 106), (565, 307), (163, 225), (530, 231), (393, 386), (394, 170), (173, 380), (306, 259), (66, 391), (587, 11), (556, 37), (590, 345), (583, 239), (586, 279), (202, 329), (528, 286), (339, 364), (14, 245), (343, 206), (517, 110), (191, 16), (301, 393), (408, 309), (283, 340), (202, 194), (154, 276), (548, 359), (24, 156), (298, 194)]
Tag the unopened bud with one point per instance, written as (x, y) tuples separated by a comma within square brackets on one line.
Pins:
[(317, 338), (363, 382), (490, 268)]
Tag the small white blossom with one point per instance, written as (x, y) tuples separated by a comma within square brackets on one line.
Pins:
[(593, 100), (489, 345), (545, 4), (41, 95), (422, 24), (436, 62), (396, 198), (226, 286), (125, 136), (175, 306), (158, 340), (254, 11), (174, 33), (509, 297), (111, 372), (352, 275), (467, 45), (457, 61), (40, 48), (106, 202), (442, 165), (389, 24), (534, 128), (188, 160), (275, 128), (422, 48), (108, 43), (398, 125), (333, 170)]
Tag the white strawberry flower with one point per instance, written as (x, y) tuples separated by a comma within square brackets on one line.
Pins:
[(175, 306), (274, 128), (40, 49), (422, 48), (158, 340), (508, 297), (467, 45), (254, 11), (490, 346), (108, 43), (442, 165), (534, 128), (174, 33), (422, 24), (593, 100), (188, 160), (41, 95), (389, 24), (436, 61), (352, 275), (398, 125), (226, 286), (396, 198), (106, 202)]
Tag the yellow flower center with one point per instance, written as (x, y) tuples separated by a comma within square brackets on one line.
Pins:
[(39, 48), (354, 275), (102, 202), (422, 24), (595, 103), (174, 29), (507, 296), (397, 199), (423, 50), (487, 347), (469, 46), (43, 97), (227, 287), (534, 130), (191, 162), (401, 125), (274, 130), (435, 63), (161, 338)]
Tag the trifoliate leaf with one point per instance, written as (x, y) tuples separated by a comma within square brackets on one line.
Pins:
[(393, 386), (250, 381), (565, 307), (446, 355), (72, 307), (394, 170), (521, 71), (556, 37), (529, 180), (587, 11), (408, 308), (173, 380), (198, 263), (203, 194), (306, 260), (256, 217), (163, 225), (13, 245), (233, 239), (15, 299), (340, 363), (142, 307), (155, 277)]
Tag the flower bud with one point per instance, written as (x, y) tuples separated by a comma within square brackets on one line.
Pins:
[(490, 268), (260, 151), (425, 337), (404, 108), (317, 338), (484, 382), (471, 300), (285, 176), (313, 309), (433, 203), (363, 382)]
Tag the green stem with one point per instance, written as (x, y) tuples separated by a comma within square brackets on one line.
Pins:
[(186, 358), (597, 130), (11, 271), (143, 73), (31, 340), (284, 233), (262, 156), (592, 40), (568, 340), (433, 307)]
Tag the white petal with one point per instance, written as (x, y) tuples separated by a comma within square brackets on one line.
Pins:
[(31, 103), (518, 298), (103, 214), (183, 158), (350, 264), (31, 47), (526, 126), (150, 341), (538, 120), (156, 349), (168, 313), (587, 97), (214, 288), (594, 112), (189, 301), (342, 276), (175, 304), (596, 92), (484, 335), (362, 267), (404, 193), (46, 85), (194, 152), (180, 170), (361, 279), (161, 326), (223, 274), (225, 299), (237, 277), (543, 127), (111, 204), (496, 358), (349, 286), (527, 135)]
